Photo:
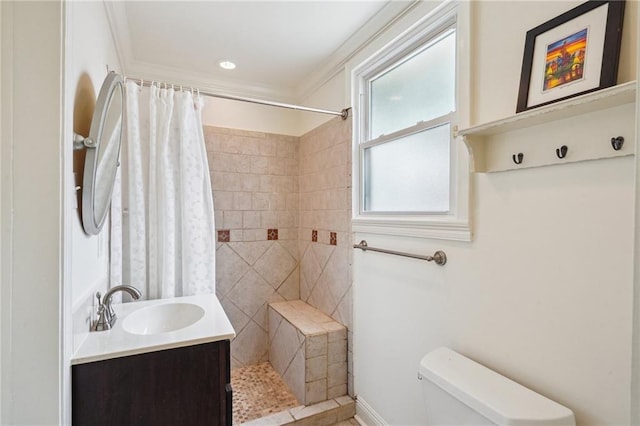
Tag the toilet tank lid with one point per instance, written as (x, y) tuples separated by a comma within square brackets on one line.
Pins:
[(496, 397)]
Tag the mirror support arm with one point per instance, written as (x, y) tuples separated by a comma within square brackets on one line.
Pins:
[(80, 142)]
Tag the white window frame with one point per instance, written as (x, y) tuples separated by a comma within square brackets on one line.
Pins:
[(451, 225)]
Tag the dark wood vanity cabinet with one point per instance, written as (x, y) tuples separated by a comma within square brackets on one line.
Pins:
[(181, 386)]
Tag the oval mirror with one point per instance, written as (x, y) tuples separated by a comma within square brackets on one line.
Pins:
[(103, 153)]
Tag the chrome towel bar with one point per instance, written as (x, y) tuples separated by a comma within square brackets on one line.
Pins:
[(439, 256)]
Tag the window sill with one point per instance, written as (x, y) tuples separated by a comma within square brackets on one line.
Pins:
[(436, 228)]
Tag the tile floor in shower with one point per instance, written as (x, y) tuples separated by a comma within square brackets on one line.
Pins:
[(261, 398), (257, 392)]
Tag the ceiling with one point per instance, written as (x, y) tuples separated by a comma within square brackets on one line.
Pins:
[(282, 49)]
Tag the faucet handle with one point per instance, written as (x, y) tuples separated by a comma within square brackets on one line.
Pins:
[(102, 322)]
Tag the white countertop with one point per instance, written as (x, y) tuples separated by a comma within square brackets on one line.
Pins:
[(100, 345)]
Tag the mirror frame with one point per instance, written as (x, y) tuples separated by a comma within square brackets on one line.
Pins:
[(92, 222)]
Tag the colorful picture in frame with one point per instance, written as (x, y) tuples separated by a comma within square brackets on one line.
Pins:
[(572, 54), (565, 61)]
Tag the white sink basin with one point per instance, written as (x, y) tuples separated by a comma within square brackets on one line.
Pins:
[(162, 318), (156, 325)]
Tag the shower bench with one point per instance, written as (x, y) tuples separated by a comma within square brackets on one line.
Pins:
[(308, 349)]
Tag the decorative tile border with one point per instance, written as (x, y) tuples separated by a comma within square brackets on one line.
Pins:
[(324, 237), (272, 234), (224, 236)]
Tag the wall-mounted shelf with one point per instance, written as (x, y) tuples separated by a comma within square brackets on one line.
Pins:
[(585, 125)]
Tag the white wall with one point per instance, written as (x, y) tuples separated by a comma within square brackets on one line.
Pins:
[(32, 218), (635, 342), (1, 226), (48, 264), (90, 51), (332, 95), (268, 119), (542, 295), (247, 116)]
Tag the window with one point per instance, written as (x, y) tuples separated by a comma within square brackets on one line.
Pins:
[(411, 175)]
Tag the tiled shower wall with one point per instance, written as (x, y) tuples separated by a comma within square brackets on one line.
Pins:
[(325, 223), (300, 187), (254, 177)]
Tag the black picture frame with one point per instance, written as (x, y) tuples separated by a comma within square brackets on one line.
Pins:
[(605, 59)]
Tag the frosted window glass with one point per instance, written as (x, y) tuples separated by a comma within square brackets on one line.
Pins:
[(419, 89), (409, 174)]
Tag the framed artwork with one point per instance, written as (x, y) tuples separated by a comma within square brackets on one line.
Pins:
[(572, 54)]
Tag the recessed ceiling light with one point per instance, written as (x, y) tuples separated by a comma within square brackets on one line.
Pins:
[(227, 65)]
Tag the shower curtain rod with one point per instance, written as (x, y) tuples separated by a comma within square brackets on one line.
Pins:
[(343, 114)]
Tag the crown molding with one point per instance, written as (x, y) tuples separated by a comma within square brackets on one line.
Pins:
[(154, 72), (117, 17), (131, 67), (378, 24)]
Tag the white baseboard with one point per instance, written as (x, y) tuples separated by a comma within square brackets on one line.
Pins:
[(366, 415)]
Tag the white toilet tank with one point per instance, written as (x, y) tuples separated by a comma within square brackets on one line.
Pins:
[(459, 391)]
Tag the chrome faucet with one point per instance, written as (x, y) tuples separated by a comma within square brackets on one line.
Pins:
[(106, 314)]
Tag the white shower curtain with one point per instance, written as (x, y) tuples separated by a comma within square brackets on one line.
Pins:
[(165, 244)]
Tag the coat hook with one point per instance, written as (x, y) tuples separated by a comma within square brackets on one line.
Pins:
[(617, 143), (517, 159), (562, 151)]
